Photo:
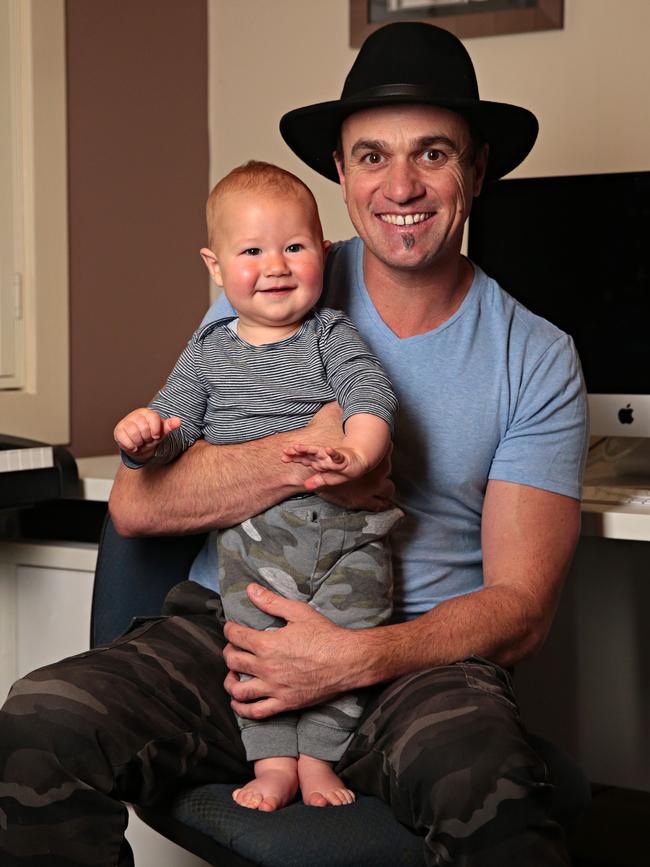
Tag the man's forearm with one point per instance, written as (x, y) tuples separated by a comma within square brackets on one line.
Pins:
[(311, 659), (210, 486), (497, 623), (528, 539), (206, 488)]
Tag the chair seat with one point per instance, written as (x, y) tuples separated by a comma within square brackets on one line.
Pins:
[(363, 834)]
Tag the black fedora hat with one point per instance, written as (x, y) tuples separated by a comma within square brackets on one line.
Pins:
[(412, 62)]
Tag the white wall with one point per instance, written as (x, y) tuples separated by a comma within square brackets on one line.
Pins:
[(40, 408), (589, 84), (267, 57)]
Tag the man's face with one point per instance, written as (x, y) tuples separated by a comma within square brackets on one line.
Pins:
[(408, 181)]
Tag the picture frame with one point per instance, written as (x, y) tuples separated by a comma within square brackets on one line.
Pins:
[(465, 18)]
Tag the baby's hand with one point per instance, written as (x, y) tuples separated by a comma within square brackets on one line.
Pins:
[(141, 430), (332, 466)]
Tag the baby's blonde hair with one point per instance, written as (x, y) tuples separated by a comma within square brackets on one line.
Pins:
[(257, 176)]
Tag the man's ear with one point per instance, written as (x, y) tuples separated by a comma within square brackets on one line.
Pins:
[(339, 168), (480, 167), (212, 264)]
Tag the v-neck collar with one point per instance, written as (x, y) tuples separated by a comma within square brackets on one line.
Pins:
[(379, 323)]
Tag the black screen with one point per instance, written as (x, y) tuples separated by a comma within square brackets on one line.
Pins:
[(575, 251)]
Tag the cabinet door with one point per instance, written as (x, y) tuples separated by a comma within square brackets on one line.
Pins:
[(52, 615)]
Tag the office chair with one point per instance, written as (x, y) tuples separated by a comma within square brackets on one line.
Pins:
[(132, 579)]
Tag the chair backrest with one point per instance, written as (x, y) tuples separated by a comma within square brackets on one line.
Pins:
[(133, 577)]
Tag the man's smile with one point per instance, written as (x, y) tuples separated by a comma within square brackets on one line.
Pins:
[(405, 219)]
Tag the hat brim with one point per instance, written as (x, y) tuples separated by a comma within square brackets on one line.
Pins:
[(312, 131)]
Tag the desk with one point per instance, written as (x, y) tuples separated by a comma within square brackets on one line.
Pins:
[(607, 521), (598, 638), (46, 589), (604, 521), (587, 689)]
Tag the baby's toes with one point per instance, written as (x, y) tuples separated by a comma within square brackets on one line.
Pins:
[(247, 798), (340, 797)]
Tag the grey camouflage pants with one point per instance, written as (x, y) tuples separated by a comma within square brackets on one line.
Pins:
[(337, 561), (146, 715)]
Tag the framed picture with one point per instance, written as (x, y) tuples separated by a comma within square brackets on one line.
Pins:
[(464, 18)]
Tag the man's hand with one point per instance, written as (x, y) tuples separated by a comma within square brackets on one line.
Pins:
[(300, 664)]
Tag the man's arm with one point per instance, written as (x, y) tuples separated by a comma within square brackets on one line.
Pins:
[(206, 488), (528, 538), (217, 486)]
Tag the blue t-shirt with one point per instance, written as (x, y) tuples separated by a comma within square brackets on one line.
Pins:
[(495, 392)]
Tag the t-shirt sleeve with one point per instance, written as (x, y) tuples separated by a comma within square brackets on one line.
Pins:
[(185, 395), (355, 374), (545, 443)]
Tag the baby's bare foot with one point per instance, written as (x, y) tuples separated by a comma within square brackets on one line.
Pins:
[(275, 785), (319, 784)]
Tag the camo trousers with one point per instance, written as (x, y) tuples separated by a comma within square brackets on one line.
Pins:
[(336, 560), (139, 718)]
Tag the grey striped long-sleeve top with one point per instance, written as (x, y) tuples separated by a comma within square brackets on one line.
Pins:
[(226, 390)]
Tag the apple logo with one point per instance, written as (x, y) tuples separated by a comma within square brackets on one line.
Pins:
[(625, 415)]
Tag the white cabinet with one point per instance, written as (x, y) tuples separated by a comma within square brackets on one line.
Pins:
[(45, 600)]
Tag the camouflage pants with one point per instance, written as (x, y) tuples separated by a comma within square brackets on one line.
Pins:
[(337, 561), (137, 719)]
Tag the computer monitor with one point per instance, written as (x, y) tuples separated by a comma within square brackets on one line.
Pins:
[(576, 250)]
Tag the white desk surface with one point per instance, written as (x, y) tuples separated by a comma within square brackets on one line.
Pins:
[(616, 522), (96, 475), (598, 519)]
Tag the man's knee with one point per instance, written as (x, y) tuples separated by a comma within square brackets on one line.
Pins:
[(446, 749), (450, 728), (463, 693), (47, 724), (470, 707)]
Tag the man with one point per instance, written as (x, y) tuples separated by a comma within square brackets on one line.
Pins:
[(487, 464)]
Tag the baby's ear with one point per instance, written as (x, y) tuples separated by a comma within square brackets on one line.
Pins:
[(212, 264), (326, 248)]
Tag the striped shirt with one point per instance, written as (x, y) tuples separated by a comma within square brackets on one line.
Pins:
[(226, 390)]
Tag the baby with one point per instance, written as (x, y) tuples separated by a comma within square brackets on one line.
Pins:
[(267, 369)]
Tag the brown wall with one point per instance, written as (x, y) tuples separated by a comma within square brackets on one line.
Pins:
[(138, 179)]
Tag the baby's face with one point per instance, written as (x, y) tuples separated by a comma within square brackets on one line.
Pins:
[(270, 256)]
